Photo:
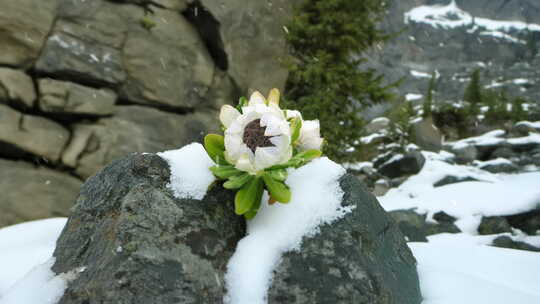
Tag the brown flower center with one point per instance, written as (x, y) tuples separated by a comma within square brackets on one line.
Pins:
[(254, 136)]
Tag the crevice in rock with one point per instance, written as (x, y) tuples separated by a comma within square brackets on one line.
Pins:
[(164, 108), (208, 28), (74, 77)]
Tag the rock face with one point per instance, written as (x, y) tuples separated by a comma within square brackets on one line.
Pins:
[(63, 97), (408, 164), (20, 180), (139, 244), (21, 133), (86, 82), (362, 258), (16, 87)]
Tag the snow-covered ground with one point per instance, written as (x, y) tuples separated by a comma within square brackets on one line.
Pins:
[(453, 268)]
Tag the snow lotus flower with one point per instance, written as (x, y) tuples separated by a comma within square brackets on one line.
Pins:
[(261, 141), (259, 137)]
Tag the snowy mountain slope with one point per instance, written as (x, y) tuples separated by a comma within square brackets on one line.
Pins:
[(456, 37)]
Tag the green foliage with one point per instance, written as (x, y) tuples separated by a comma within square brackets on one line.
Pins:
[(400, 122), (327, 39), (448, 116), (473, 93), (518, 113), (147, 22), (428, 101), (496, 101)]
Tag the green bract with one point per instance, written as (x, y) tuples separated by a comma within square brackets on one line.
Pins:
[(261, 142)]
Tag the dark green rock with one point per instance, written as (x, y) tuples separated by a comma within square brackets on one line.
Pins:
[(494, 225), (507, 242), (362, 258), (139, 244)]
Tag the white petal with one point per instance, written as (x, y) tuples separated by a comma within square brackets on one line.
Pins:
[(256, 98), (310, 135), (233, 145), (244, 164), (273, 97), (312, 143), (273, 125), (266, 157), (293, 114), (227, 115)]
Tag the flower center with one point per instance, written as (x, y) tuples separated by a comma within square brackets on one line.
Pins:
[(254, 136)]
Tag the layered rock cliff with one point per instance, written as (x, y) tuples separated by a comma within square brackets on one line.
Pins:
[(85, 82)]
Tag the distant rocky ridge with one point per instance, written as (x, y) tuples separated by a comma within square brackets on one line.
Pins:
[(86, 82), (452, 38)]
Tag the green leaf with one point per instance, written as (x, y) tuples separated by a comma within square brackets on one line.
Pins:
[(279, 174), (247, 196), (215, 146), (255, 208), (225, 171), (308, 155), (237, 181), (296, 126), (242, 102), (278, 190)]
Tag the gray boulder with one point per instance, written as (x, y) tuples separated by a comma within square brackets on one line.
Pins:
[(31, 193), (465, 154), (415, 227), (362, 258), (16, 88), (507, 242), (24, 26), (69, 98), (499, 165), (139, 244), (20, 134), (426, 135), (408, 164), (132, 129), (528, 222), (494, 225)]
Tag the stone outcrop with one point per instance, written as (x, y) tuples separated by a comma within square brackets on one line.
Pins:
[(86, 82), (52, 192), (20, 133), (61, 97), (139, 244), (16, 88)]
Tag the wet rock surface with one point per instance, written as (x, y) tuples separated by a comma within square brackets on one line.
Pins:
[(139, 244), (362, 258)]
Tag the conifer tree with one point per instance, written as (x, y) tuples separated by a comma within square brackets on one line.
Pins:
[(326, 81), (428, 100), (473, 93)]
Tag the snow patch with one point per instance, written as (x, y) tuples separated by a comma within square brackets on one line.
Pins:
[(455, 272), (412, 96), (190, 171), (24, 246), (40, 286), (492, 195), (316, 200)]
